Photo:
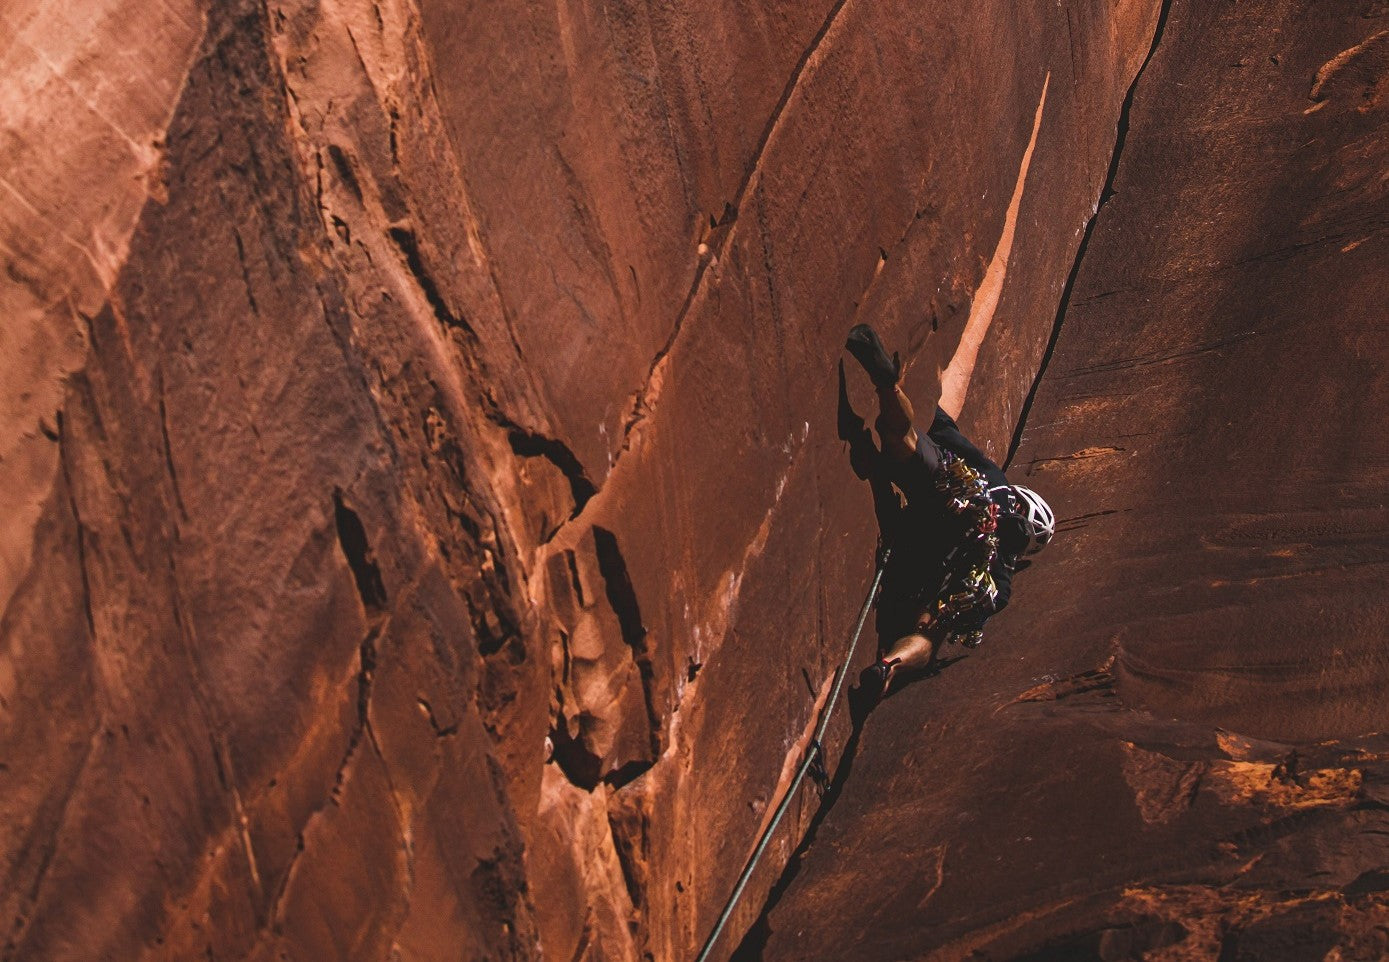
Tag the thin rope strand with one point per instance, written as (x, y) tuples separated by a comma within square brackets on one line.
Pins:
[(813, 750)]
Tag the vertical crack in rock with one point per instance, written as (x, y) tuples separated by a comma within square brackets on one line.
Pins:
[(622, 597), (80, 529), (955, 379), (48, 847), (409, 247), (1106, 192), (403, 833), (365, 674), (352, 537), (169, 452), (571, 562), (366, 574), (641, 407), (245, 272)]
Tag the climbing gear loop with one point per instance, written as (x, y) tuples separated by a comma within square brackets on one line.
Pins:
[(967, 591)]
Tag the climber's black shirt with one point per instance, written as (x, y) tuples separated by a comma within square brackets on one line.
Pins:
[(930, 531)]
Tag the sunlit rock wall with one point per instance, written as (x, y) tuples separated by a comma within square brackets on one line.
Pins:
[(1172, 743), (426, 526)]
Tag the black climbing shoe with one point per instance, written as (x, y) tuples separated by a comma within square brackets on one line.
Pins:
[(881, 673), (864, 345)]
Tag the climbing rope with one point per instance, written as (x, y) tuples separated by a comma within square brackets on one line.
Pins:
[(812, 758)]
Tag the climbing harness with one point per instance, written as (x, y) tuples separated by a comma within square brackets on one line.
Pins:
[(813, 758)]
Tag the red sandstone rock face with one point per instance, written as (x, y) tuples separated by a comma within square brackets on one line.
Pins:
[(1172, 741), (437, 530)]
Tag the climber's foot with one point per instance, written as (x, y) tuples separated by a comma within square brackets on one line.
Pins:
[(881, 672), (864, 345)]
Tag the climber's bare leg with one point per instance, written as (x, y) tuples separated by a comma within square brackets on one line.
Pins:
[(899, 437), (894, 423), (912, 651)]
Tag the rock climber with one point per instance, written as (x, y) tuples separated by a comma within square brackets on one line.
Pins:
[(960, 536)]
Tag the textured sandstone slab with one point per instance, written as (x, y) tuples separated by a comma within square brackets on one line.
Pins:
[(241, 718), (87, 95), (1169, 742), (447, 522)]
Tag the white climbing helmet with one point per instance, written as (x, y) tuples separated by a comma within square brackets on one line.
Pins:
[(1033, 511), (1037, 517)]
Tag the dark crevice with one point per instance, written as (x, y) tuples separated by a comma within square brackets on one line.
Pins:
[(497, 633), (527, 444), (1374, 880), (366, 674), (567, 665), (1106, 192), (579, 765), (344, 170), (572, 562), (352, 537), (169, 453), (628, 772), (410, 249), (499, 889), (622, 598)]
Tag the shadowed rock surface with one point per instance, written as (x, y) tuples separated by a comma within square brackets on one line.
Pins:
[(427, 529), (1171, 742)]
